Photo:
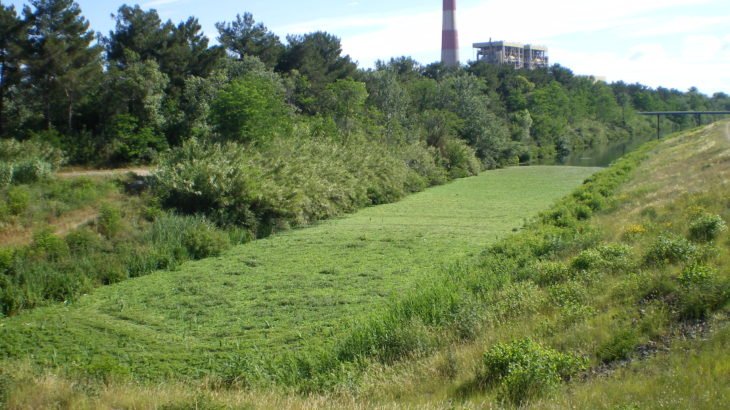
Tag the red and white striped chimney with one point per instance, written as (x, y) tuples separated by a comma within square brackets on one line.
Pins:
[(449, 36)]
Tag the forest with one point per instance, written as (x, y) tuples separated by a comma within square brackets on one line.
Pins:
[(150, 86)]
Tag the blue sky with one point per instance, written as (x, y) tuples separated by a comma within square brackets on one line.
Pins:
[(669, 43)]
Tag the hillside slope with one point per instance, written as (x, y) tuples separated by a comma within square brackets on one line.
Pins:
[(297, 290), (616, 297)]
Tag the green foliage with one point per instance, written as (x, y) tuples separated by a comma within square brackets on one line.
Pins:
[(48, 245), (18, 200), (131, 143), (671, 249), (245, 37), (30, 171), (460, 159), (306, 181), (205, 242), (702, 292), (109, 222), (83, 241), (523, 370), (251, 109), (6, 174), (27, 162), (615, 258), (619, 347), (707, 228)]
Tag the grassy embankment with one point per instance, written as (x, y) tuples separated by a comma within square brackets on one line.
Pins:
[(615, 298), (294, 291)]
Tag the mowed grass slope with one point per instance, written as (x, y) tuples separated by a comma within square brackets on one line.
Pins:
[(292, 291)]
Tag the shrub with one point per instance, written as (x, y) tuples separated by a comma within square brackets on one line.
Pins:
[(6, 259), (619, 346), (702, 292), (582, 212), (13, 151), (550, 273), (48, 245), (523, 369), (30, 171), (696, 275), (205, 241), (6, 174), (132, 142), (586, 260), (18, 200), (460, 159), (706, 228), (109, 222), (569, 293), (670, 249), (560, 216), (612, 258), (83, 241)]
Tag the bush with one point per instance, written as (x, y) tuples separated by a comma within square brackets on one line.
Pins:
[(6, 174), (696, 275), (560, 216), (13, 151), (47, 244), (550, 273), (109, 222), (523, 369), (6, 259), (619, 347), (132, 142), (18, 200), (30, 171), (702, 292), (206, 241), (460, 159), (670, 249), (706, 228), (583, 212), (83, 241)]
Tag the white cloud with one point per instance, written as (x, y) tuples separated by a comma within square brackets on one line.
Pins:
[(627, 28)]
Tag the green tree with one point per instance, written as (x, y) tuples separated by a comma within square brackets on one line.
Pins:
[(137, 89), (391, 99), (345, 101), (464, 94), (549, 107), (138, 36), (317, 58), (179, 50), (61, 62), (251, 109), (246, 37), (10, 35)]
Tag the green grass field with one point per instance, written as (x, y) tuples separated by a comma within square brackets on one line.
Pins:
[(292, 291)]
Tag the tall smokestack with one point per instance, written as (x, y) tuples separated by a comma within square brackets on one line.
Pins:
[(449, 36)]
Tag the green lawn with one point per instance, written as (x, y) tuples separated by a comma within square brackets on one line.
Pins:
[(287, 292)]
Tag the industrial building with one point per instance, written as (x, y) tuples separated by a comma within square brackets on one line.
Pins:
[(518, 55)]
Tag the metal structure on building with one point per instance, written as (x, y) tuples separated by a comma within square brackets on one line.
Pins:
[(449, 36), (518, 55)]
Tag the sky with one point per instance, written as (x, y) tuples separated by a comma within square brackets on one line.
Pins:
[(670, 43)]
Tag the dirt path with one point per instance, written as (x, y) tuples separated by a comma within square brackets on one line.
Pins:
[(143, 172)]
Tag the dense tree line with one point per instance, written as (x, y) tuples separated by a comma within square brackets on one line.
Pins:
[(150, 84)]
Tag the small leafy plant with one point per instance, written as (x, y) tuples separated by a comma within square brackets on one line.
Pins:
[(524, 369)]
